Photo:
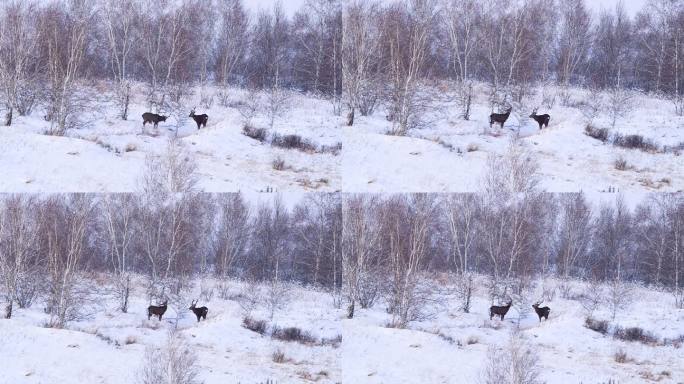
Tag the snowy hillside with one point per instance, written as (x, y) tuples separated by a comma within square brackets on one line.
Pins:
[(454, 346), (110, 346), (109, 154), (451, 154)]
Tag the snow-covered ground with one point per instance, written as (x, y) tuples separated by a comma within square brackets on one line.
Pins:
[(451, 155), (109, 154), (453, 347), (110, 346)]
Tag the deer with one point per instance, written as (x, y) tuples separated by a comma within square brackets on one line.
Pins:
[(499, 310), (200, 312), (149, 117), (542, 120), (541, 312), (156, 310), (199, 119), (499, 118)]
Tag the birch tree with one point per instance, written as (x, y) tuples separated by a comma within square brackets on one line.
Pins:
[(120, 24), (18, 58), (18, 252)]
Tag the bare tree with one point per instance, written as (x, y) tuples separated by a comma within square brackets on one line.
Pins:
[(511, 202), (515, 364), (120, 22), (619, 104), (232, 234), (360, 237), (175, 171), (63, 239), (119, 221), (618, 296), (462, 211), (18, 253), (574, 235), (172, 215), (18, 41), (174, 363), (406, 225), (317, 226), (360, 42), (574, 41), (406, 31), (167, 46), (64, 34), (233, 40), (463, 22)]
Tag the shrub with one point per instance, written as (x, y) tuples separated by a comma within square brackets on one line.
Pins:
[(635, 142), (174, 363), (472, 340), (333, 341), (675, 342), (332, 149), (258, 326), (601, 134), (600, 326), (621, 164), (446, 338), (635, 334), (278, 164), (621, 356), (292, 142), (255, 133), (472, 147), (278, 356), (292, 334), (515, 363)]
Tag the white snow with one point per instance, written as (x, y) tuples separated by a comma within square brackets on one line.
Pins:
[(569, 160), (109, 347), (109, 155), (568, 352)]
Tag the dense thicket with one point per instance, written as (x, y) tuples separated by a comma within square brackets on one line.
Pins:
[(520, 236), (47, 241), (391, 49), (391, 243), (49, 49)]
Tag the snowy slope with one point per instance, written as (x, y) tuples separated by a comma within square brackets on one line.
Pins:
[(109, 155), (110, 347), (568, 352), (450, 154)]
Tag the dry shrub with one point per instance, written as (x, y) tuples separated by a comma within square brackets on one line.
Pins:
[(258, 326)]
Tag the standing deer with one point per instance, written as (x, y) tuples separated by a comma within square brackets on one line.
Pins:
[(542, 120), (200, 120), (156, 310), (200, 312), (541, 312), (499, 310), (499, 118), (149, 117)]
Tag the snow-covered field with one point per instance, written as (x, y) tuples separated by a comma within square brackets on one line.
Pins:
[(109, 154), (451, 154), (453, 347), (110, 346)]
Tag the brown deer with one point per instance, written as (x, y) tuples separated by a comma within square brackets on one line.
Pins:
[(156, 310), (200, 312), (542, 120), (499, 118), (541, 312), (149, 117), (200, 120), (499, 310)]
